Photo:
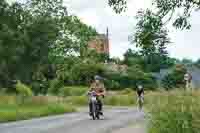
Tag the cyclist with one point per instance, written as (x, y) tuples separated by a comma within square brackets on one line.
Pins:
[(140, 95)]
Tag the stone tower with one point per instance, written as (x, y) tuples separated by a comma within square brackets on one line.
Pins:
[(100, 43)]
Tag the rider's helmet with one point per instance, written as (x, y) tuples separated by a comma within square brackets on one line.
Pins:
[(97, 78)]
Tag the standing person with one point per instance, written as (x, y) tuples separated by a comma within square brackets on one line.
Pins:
[(98, 86), (188, 79)]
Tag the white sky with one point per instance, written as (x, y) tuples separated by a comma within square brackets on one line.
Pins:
[(99, 15)]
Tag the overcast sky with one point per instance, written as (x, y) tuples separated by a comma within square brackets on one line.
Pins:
[(99, 15)]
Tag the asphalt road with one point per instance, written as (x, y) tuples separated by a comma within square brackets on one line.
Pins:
[(76, 122)]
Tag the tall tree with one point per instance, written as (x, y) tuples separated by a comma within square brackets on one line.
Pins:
[(151, 37), (35, 33)]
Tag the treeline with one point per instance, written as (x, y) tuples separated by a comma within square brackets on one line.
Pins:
[(45, 48)]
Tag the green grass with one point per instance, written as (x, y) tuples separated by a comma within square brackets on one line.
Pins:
[(32, 108), (113, 100), (77, 100), (120, 100), (174, 112), (73, 91)]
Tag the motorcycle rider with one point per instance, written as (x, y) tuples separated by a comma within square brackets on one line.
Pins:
[(99, 89)]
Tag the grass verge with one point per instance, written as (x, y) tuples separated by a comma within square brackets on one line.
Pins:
[(32, 108), (174, 112)]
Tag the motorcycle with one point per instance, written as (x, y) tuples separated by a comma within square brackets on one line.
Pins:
[(95, 110)]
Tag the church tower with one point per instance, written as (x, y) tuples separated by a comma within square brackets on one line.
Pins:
[(100, 43), (107, 42)]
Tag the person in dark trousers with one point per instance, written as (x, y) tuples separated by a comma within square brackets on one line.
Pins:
[(140, 90), (99, 89), (140, 95)]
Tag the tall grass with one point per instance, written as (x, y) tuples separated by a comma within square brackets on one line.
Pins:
[(174, 112), (120, 100), (113, 100), (11, 110), (73, 91)]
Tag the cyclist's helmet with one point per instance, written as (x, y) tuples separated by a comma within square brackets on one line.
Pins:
[(140, 87)]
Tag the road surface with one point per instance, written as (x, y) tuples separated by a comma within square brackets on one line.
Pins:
[(76, 122)]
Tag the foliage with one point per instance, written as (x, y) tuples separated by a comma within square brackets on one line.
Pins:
[(175, 79), (73, 91), (129, 79), (35, 36), (150, 35), (127, 91), (157, 62), (55, 86), (118, 5), (152, 38), (187, 61), (183, 8), (167, 9), (197, 63), (112, 84), (23, 90)]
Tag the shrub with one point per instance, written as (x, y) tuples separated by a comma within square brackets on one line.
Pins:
[(112, 84), (55, 86), (78, 100), (127, 91), (3, 91), (73, 91), (23, 89), (175, 79)]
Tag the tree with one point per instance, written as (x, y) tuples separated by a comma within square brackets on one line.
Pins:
[(186, 61), (151, 35), (175, 78), (35, 36), (152, 38), (167, 9), (118, 5)]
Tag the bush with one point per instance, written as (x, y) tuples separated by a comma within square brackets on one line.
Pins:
[(112, 85), (73, 91), (3, 91), (175, 79), (23, 90), (78, 100), (127, 91), (55, 86)]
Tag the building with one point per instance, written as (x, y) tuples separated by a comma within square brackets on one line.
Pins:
[(100, 43)]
